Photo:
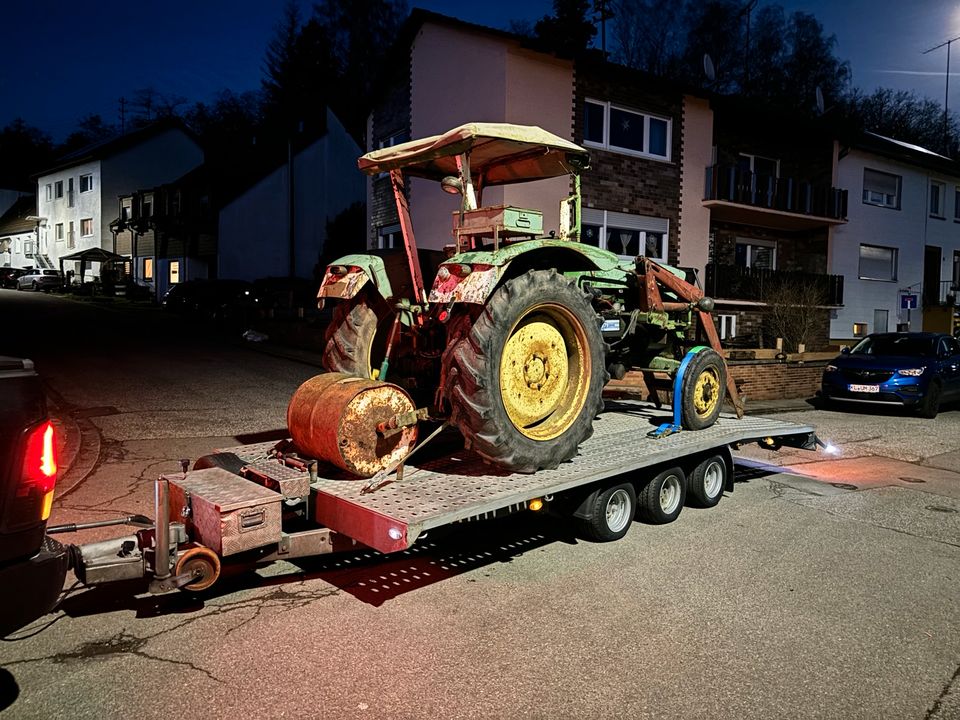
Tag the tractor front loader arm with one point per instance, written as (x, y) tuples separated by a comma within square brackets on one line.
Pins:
[(654, 277)]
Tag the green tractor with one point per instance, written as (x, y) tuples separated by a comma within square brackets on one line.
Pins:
[(512, 334)]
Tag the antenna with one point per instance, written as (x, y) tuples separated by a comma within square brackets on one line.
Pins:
[(946, 93)]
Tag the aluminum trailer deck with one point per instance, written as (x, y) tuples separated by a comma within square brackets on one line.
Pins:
[(461, 486)]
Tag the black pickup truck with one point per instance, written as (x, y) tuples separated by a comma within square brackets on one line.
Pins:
[(32, 565)]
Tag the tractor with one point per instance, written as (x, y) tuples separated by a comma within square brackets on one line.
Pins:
[(510, 333)]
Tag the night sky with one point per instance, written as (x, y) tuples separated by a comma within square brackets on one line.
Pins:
[(63, 60)]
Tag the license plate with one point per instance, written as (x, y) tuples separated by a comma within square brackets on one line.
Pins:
[(610, 326), (864, 388)]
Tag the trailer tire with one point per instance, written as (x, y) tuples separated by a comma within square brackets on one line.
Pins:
[(661, 500), (703, 389), (203, 561), (609, 514), (356, 338), (706, 483), (525, 383)]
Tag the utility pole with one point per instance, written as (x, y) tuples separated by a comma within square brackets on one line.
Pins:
[(603, 14), (946, 94)]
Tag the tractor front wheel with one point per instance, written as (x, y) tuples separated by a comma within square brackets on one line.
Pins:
[(703, 389), (356, 338), (525, 383)]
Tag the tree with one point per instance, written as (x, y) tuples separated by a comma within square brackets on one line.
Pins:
[(24, 150), (90, 129), (645, 35), (568, 31), (794, 310), (810, 62), (904, 116)]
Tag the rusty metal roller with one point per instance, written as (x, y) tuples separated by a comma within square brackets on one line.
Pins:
[(334, 417)]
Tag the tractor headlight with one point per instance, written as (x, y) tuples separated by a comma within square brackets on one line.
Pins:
[(911, 372)]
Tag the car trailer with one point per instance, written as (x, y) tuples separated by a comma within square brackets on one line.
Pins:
[(254, 504)]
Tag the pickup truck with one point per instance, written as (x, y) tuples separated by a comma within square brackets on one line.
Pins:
[(32, 565)]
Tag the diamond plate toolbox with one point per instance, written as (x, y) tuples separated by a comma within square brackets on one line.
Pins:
[(225, 512)]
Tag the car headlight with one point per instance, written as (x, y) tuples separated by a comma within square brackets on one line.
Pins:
[(830, 368), (911, 372)]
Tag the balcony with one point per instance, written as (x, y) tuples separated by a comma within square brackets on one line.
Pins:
[(733, 282), (736, 195), (946, 292)]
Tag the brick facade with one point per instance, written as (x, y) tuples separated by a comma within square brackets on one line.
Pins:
[(627, 183)]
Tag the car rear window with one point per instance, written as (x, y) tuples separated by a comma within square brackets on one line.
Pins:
[(50, 272)]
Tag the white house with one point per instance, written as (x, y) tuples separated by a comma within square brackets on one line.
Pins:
[(254, 238), (77, 199), (900, 251), (18, 231)]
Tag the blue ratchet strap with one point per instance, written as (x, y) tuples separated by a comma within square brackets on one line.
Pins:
[(675, 427)]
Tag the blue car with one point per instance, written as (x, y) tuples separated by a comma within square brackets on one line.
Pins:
[(912, 369)]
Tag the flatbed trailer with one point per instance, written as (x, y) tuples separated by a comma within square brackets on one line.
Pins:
[(262, 507)]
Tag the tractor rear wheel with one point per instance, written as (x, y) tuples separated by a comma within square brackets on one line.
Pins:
[(703, 389), (356, 338), (525, 383)]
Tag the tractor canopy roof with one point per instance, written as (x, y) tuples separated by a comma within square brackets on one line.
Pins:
[(500, 153)]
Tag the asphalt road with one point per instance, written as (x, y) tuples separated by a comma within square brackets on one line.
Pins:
[(831, 590)]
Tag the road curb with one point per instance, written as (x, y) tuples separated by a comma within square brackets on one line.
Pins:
[(79, 449)]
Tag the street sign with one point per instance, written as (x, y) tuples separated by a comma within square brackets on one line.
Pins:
[(908, 302)]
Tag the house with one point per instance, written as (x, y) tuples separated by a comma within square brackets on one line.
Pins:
[(277, 227), (77, 198), (900, 251), (18, 233), (168, 231)]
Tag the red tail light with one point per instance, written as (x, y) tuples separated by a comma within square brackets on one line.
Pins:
[(39, 476)]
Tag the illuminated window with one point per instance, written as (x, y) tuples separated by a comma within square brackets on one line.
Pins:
[(174, 272), (86, 227), (148, 268), (859, 329)]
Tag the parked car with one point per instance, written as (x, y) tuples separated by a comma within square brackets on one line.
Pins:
[(32, 565), (40, 280), (912, 369), (213, 299), (8, 276)]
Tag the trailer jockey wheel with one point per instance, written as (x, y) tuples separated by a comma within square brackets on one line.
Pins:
[(203, 563)]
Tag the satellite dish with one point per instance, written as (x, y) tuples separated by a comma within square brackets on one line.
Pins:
[(819, 93), (708, 69)]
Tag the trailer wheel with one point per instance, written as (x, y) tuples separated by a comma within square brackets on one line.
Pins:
[(526, 382), (202, 562), (609, 514), (356, 338), (661, 500), (707, 481), (704, 385)]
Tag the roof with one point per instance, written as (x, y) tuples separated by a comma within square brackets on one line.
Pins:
[(94, 254), (905, 152), (501, 152), (115, 145), (15, 221)]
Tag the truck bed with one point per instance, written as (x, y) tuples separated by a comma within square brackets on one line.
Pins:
[(462, 486)]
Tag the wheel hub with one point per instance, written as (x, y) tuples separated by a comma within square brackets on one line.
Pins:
[(535, 371), (706, 392)]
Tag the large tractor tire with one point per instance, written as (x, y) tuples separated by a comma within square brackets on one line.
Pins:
[(356, 338), (525, 383), (703, 389)]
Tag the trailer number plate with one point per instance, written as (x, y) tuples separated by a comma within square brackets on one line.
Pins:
[(864, 388), (610, 325)]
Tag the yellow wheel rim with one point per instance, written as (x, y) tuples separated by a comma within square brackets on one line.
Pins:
[(706, 392), (545, 372)]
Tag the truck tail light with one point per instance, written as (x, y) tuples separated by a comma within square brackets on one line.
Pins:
[(34, 496)]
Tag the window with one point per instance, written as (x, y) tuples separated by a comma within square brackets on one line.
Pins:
[(50, 192), (70, 192), (880, 188), (956, 203), (878, 263), (174, 272), (71, 239), (880, 320), (395, 139), (626, 235), (148, 268), (759, 165), (859, 329), (86, 183), (146, 206), (86, 227), (759, 254), (58, 232), (728, 326), (623, 130), (938, 196), (389, 237), (58, 188), (125, 208)]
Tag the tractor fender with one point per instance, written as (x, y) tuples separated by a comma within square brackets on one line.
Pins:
[(471, 277), (346, 276)]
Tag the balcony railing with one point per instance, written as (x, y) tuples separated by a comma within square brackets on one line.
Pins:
[(734, 282), (946, 292), (786, 194)]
